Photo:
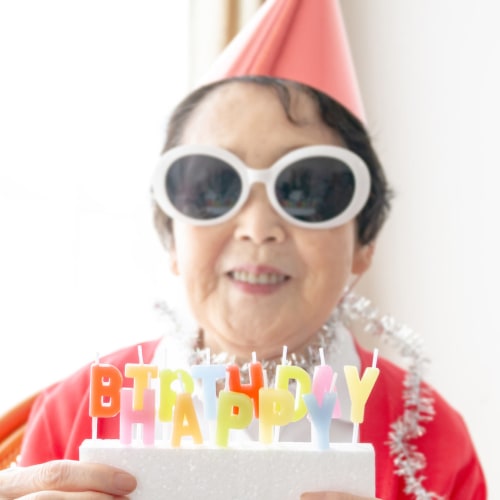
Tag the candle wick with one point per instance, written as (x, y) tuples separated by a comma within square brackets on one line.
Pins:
[(375, 358), (254, 357), (322, 355), (283, 357), (181, 383), (139, 352), (334, 381)]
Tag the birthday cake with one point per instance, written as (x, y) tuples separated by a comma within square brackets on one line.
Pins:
[(185, 463), (249, 471)]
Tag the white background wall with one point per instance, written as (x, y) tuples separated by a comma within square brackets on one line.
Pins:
[(430, 79), (85, 90)]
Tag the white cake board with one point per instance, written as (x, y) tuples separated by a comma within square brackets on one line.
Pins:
[(250, 471)]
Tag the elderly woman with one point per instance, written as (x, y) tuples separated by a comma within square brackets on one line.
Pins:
[(269, 199)]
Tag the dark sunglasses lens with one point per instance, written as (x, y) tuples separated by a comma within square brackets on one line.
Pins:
[(202, 187), (315, 189)]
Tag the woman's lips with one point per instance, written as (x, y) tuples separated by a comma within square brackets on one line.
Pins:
[(258, 279)]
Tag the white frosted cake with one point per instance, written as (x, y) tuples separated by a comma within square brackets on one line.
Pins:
[(247, 471)]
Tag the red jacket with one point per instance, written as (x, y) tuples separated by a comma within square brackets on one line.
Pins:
[(60, 421)]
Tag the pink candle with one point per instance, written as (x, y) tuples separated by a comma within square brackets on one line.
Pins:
[(324, 382), (145, 416)]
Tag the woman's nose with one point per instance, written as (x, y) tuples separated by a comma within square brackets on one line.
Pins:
[(257, 220)]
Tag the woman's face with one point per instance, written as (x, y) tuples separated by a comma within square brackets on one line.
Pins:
[(256, 282)]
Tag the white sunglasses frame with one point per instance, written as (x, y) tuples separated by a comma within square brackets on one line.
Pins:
[(266, 176)]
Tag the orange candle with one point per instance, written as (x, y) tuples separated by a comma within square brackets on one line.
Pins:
[(105, 384), (251, 389)]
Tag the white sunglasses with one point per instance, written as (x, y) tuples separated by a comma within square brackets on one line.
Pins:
[(311, 187)]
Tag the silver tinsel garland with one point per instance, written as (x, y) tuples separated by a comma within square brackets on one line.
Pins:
[(418, 403)]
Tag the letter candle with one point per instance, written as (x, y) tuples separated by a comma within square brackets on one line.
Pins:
[(105, 384), (234, 407), (251, 389), (321, 416), (142, 375), (209, 374), (234, 412), (276, 409), (324, 382), (185, 421), (359, 391), (284, 362), (303, 386), (168, 394), (137, 405)]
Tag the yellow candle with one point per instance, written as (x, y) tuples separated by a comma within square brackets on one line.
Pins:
[(141, 374), (168, 395), (286, 373), (185, 422), (275, 408), (359, 390), (228, 418)]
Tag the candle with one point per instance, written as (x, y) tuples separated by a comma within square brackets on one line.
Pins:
[(276, 409), (234, 412), (323, 382), (104, 400), (185, 422), (359, 391), (321, 415), (209, 374), (168, 394), (252, 388), (303, 386), (130, 416), (142, 375), (105, 384)]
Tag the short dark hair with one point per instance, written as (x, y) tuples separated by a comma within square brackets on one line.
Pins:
[(333, 114)]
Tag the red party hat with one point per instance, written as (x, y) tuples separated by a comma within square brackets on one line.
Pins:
[(301, 40)]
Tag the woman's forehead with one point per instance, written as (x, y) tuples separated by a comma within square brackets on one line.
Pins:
[(235, 97), (250, 108)]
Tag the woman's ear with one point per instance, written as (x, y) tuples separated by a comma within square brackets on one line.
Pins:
[(362, 260)]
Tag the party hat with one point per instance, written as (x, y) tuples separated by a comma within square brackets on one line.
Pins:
[(301, 40)]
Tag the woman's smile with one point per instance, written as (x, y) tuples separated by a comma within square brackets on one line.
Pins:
[(257, 279)]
